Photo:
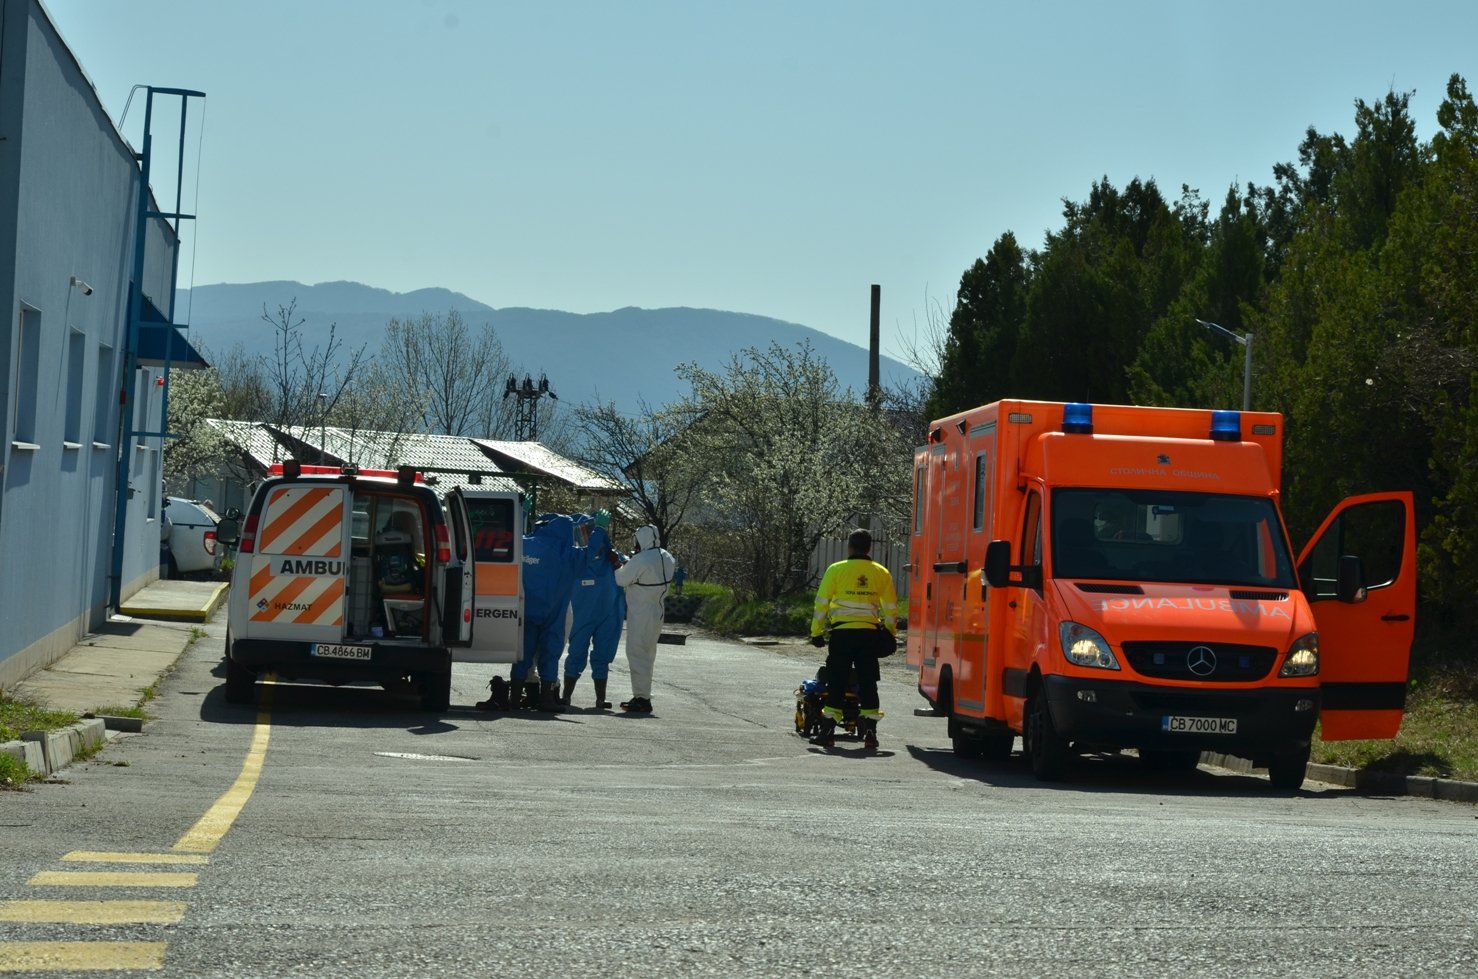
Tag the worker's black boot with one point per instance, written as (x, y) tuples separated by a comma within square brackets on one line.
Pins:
[(530, 699), (497, 695), (548, 697), (601, 703), (564, 698), (869, 729)]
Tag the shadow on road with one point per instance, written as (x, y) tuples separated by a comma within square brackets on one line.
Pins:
[(1103, 773)]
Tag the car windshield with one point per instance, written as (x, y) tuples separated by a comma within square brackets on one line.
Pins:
[(1148, 535)]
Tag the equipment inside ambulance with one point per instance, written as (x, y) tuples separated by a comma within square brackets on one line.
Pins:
[(1099, 577), (347, 575)]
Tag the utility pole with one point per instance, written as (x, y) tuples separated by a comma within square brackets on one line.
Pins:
[(526, 421)]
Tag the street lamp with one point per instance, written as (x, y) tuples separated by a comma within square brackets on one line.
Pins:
[(1245, 339)]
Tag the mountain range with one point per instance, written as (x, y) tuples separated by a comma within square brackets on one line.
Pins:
[(625, 356)]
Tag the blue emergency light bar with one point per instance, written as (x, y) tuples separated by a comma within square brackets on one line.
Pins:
[(1077, 418), (1226, 426)]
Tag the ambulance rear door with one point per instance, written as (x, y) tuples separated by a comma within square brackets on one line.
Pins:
[(299, 563), (456, 587), (1364, 646), (495, 518)]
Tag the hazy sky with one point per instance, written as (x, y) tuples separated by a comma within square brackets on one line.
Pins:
[(766, 157)]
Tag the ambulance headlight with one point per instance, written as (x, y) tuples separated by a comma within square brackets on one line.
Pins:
[(1303, 657), (1083, 646)]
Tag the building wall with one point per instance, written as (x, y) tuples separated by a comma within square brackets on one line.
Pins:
[(68, 194)]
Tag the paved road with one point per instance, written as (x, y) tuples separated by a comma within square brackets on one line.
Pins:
[(706, 840)]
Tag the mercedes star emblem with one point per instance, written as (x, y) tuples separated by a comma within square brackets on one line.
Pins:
[(1201, 661)]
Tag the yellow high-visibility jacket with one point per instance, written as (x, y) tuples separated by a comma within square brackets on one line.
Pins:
[(855, 594)]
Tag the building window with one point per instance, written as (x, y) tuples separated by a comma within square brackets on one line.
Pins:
[(76, 358), (26, 368), (107, 397)]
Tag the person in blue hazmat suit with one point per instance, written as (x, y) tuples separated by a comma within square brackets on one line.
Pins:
[(551, 560), (645, 579), (597, 608)]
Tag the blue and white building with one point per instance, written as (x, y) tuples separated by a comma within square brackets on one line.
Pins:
[(87, 270)]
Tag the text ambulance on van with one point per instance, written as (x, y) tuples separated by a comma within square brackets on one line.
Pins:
[(1107, 576)]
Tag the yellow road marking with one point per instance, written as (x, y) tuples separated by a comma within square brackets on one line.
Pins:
[(112, 878), (93, 912), (208, 830), (99, 856), (77, 956)]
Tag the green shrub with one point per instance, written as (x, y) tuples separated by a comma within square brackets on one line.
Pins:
[(13, 773)]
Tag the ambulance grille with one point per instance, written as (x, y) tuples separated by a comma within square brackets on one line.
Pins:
[(1259, 596), (1098, 589), (1226, 662)]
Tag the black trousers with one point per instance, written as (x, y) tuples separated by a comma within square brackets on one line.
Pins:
[(852, 649)]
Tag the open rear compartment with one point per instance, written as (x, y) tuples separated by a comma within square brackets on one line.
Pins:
[(388, 572)]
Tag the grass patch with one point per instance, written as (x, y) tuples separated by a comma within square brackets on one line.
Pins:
[(120, 711), (17, 716), (725, 615)]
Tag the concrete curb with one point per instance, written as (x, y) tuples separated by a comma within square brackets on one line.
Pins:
[(1368, 783), (48, 752), (199, 613)]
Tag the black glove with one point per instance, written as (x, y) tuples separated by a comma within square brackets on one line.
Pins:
[(818, 641)]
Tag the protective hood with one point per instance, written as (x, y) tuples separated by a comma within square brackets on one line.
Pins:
[(646, 537)]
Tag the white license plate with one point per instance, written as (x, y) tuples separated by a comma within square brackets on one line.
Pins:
[(330, 650), (1198, 725)]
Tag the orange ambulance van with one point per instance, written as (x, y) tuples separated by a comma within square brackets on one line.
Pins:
[(1100, 577)]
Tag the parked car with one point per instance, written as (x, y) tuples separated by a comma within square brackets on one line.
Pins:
[(190, 538)]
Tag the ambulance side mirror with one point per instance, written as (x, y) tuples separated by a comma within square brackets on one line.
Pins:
[(998, 563), (1350, 587), (228, 531), (998, 568)]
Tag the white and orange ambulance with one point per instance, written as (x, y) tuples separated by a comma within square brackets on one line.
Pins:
[(346, 575), (1107, 576)]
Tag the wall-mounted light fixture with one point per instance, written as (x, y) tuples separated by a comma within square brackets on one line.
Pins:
[(81, 286)]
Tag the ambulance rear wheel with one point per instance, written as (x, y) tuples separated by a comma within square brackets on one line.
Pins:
[(436, 691), (997, 747), (1045, 748), (241, 683)]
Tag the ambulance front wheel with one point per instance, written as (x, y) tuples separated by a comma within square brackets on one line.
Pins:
[(1287, 768), (241, 683), (1047, 750)]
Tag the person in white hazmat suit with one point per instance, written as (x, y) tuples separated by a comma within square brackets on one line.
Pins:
[(645, 579)]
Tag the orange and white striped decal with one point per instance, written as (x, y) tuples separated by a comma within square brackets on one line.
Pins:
[(277, 595), (306, 520), (297, 574)]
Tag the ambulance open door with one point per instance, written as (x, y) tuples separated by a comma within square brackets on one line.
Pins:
[(1365, 644), (496, 521)]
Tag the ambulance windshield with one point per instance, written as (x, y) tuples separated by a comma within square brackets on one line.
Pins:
[(1152, 535)]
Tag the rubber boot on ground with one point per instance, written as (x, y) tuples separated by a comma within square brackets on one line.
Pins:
[(601, 703), (564, 697), (549, 697), (530, 699), (497, 695), (868, 726)]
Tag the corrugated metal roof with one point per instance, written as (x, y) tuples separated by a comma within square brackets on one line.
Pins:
[(266, 444), (541, 459)]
